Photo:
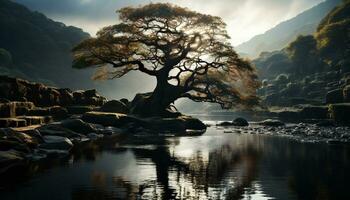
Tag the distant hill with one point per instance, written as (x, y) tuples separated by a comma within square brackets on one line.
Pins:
[(287, 31), (312, 69), (39, 48)]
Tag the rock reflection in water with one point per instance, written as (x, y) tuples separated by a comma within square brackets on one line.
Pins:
[(212, 166)]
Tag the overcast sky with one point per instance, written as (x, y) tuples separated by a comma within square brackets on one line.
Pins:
[(245, 18)]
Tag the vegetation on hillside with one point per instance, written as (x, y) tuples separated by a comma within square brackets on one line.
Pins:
[(281, 35), (314, 64)]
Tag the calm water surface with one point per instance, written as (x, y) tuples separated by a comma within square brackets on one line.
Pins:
[(215, 165)]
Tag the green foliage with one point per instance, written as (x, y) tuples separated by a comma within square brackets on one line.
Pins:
[(304, 55), (282, 79), (270, 64), (285, 32), (333, 36)]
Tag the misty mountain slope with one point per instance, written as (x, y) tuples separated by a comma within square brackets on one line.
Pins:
[(37, 48), (287, 31), (40, 48)]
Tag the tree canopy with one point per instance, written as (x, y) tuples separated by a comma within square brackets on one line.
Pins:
[(333, 34), (188, 52), (304, 55)]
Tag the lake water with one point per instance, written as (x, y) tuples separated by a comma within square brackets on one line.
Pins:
[(216, 165)]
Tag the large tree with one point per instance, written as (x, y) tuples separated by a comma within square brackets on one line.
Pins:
[(189, 54)]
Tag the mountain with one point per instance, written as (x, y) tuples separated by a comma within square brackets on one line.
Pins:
[(36, 47), (287, 31), (312, 69)]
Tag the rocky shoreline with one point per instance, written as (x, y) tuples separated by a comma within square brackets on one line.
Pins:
[(39, 122), (305, 132)]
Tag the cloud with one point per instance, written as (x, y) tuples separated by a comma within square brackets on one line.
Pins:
[(245, 18)]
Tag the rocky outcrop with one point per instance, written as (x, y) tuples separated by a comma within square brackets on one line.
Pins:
[(52, 142), (15, 108), (23, 103), (177, 125), (15, 89), (115, 106), (236, 122), (271, 122), (240, 122), (346, 93)]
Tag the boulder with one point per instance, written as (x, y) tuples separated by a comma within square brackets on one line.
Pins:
[(66, 97), (58, 130), (126, 102), (90, 93), (225, 124), (6, 145), (20, 137), (114, 106), (174, 125), (79, 97), (178, 124), (335, 96), (240, 122), (271, 122), (78, 110), (77, 125), (192, 123), (169, 113), (346, 93), (340, 113), (58, 112), (109, 119), (52, 142)]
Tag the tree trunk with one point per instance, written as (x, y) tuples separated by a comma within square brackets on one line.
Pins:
[(156, 103)]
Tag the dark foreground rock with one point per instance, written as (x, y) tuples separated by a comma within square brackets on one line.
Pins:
[(115, 106), (15, 89), (240, 122), (178, 124), (52, 142), (236, 122), (271, 122)]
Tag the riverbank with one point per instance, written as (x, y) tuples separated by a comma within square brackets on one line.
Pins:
[(267, 166), (39, 122)]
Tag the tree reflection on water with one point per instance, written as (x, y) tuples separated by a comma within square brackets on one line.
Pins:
[(212, 166), (196, 177)]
